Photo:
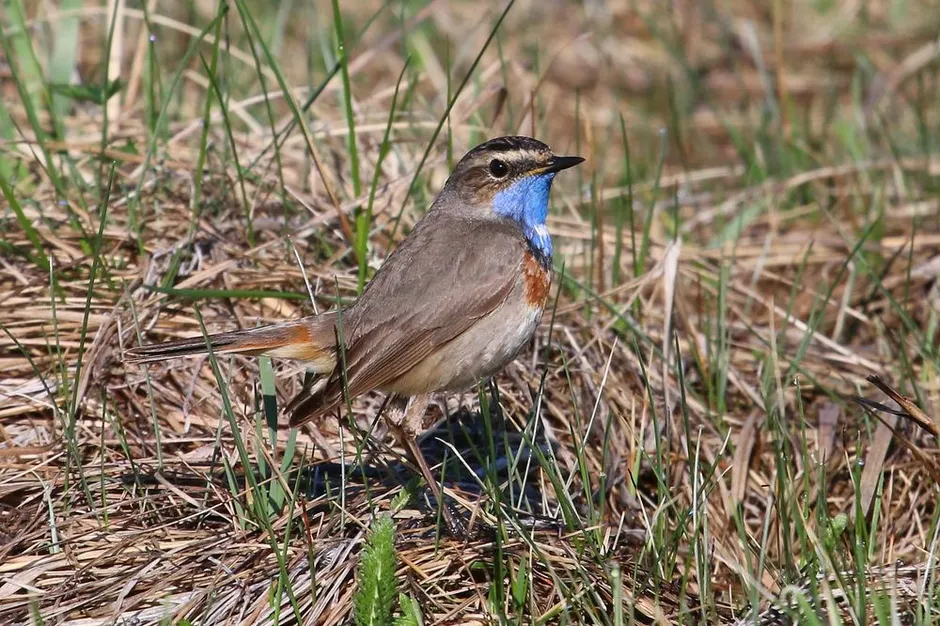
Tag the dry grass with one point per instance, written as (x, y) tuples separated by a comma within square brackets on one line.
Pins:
[(795, 247)]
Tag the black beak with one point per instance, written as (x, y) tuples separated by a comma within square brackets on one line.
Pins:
[(559, 163)]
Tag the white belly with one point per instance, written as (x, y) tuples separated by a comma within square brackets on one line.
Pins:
[(480, 352), (499, 340)]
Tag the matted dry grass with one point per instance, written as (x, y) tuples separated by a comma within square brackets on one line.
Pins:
[(136, 522)]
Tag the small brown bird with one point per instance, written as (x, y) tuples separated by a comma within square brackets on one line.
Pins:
[(455, 302)]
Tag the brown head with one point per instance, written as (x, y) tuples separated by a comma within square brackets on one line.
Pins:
[(507, 178)]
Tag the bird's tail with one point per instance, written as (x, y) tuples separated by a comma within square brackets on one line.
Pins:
[(311, 340)]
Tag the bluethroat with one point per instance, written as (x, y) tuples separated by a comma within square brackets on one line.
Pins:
[(454, 303)]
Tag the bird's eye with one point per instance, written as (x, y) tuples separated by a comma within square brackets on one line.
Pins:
[(498, 168)]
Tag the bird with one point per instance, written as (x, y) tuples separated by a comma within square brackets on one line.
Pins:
[(454, 303)]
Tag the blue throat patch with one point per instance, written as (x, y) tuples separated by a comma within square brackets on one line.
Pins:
[(526, 202)]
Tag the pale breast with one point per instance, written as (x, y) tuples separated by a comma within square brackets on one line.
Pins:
[(487, 346)]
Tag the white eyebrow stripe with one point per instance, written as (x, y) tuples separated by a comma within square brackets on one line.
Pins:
[(521, 156), (528, 154)]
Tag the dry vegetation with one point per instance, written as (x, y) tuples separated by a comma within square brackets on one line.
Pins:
[(779, 200)]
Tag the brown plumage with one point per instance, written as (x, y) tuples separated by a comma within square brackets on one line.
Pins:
[(455, 302), (310, 339), (406, 319)]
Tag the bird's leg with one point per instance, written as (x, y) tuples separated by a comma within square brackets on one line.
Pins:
[(406, 430), (440, 399)]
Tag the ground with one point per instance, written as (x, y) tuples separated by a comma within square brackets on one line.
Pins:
[(707, 426)]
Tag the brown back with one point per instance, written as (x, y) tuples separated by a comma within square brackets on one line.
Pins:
[(449, 272)]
